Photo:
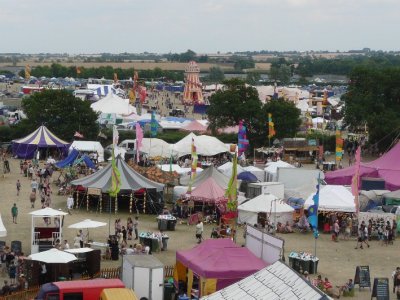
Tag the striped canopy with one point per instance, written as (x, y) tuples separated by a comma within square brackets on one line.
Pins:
[(40, 138)]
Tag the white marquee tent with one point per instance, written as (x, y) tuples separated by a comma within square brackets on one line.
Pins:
[(259, 173), (226, 169), (205, 145), (265, 203), (89, 146), (272, 169), (113, 104), (333, 198)]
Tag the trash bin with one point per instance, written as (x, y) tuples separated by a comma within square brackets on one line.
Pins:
[(313, 268), (164, 243), (171, 225), (168, 291), (304, 265), (162, 224)]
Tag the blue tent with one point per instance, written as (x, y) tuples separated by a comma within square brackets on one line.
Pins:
[(247, 176), (69, 160)]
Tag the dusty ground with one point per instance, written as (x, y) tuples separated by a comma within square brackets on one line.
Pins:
[(337, 260)]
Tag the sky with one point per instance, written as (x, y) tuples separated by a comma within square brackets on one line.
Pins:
[(204, 26)]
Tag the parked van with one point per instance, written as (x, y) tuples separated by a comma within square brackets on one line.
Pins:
[(76, 289), (127, 144), (118, 294)]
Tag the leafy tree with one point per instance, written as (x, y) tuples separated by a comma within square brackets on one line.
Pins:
[(216, 75), (373, 98), (280, 73), (236, 103), (253, 78), (243, 63), (61, 112)]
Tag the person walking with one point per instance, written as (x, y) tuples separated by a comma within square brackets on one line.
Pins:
[(135, 227), (199, 231), (18, 185), (32, 199), (70, 203), (14, 213)]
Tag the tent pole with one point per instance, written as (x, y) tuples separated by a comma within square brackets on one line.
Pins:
[(109, 214)]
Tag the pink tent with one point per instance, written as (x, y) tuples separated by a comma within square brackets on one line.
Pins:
[(220, 259), (208, 191), (387, 167), (195, 126)]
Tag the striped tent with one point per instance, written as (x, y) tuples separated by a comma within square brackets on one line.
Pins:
[(41, 138)]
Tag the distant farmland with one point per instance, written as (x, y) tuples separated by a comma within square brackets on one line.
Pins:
[(138, 65)]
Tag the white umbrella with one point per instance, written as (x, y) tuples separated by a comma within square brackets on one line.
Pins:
[(79, 250), (86, 224), (53, 256)]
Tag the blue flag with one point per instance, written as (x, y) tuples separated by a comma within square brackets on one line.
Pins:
[(313, 212), (153, 124)]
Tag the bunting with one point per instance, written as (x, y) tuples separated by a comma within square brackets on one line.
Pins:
[(355, 180), (243, 142), (153, 124), (313, 211), (139, 140), (193, 167), (231, 191), (271, 127)]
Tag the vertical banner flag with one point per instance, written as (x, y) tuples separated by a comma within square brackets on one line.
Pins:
[(153, 124), (139, 140), (355, 180), (115, 178), (115, 136), (339, 146), (27, 72), (193, 167), (115, 78), (271, 129), (275, 96), (231, 191), (243, 142), (313, 211)]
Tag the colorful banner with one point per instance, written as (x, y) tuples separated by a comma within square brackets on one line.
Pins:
[(153, 124), (313, 211), (339, 146), (271, 127), (193, 167), (231, 191), (115, 178), (355, 180), (139, 139), (243, 142)]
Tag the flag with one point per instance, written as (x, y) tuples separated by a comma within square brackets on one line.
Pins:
[(271, 129), (27, 72), (142, 94), (115, 135), (139, 139), (102, 135), (193, 167), (115, 178), (153, 124), (243, 142), (115, 78), (78, 135), (231, 191), (275, 96), (355, 179), (78, 70), (339, 146), (313, 211)]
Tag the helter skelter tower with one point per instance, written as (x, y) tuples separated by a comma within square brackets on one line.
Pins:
[(192, 94)]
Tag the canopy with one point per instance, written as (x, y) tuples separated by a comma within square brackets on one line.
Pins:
[(69, 160), (89, 146), (226, 169), (265, 203), (221, 179), (53, 256), (333, 198), (247, 177), (277, 281), (272, 167), (130, 179), (87, 224), (113, 104), (155, 147), (259, 173), (48, 212), (3, 230), (79, 250), (41, 138), (208, 191), (387, 167), (205, 145), (392, 198), (195, 126), (218, 259)]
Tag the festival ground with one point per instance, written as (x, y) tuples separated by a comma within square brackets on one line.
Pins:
[(337, 260)]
